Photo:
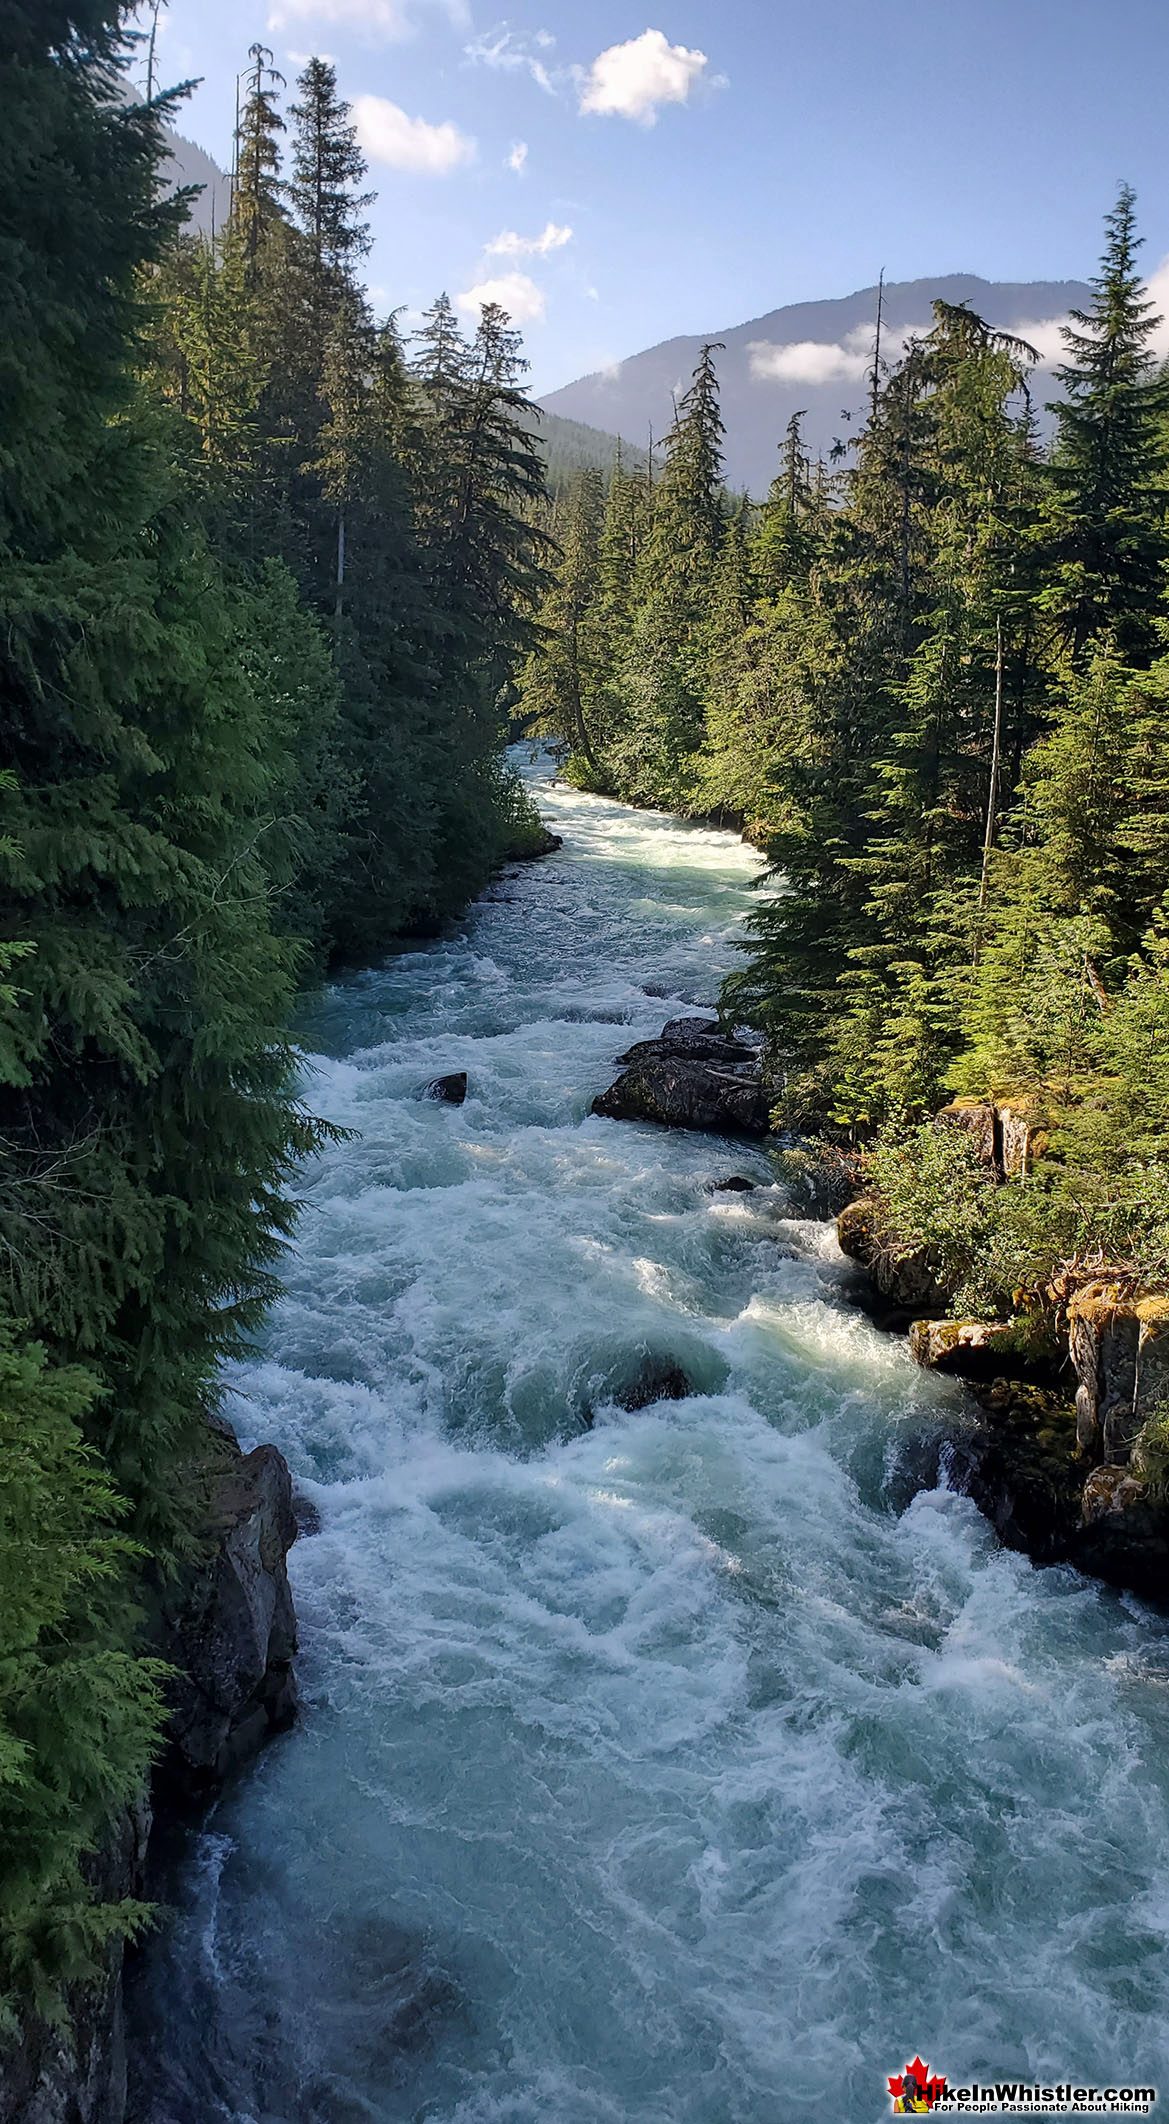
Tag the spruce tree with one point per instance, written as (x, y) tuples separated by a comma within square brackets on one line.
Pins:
[(564, 674)]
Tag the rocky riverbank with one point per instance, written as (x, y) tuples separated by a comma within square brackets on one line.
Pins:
[(228, 1628), (1064, 1453), (1063, 1448)]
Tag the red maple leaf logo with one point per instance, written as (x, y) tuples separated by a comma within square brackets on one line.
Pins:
[(917, 2085)]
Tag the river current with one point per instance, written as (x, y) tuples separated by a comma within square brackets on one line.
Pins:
[(697, 1767)]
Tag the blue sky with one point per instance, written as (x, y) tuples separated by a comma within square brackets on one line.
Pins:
[(631, 169)]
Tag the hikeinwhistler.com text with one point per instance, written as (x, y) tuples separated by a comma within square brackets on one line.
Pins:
[(1013, 2098)]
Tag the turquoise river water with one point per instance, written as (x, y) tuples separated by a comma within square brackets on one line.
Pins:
[(697, 1767)]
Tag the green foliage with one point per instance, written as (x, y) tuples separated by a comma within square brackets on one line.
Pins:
[(1109, 472), (80, 1710), (264, 593), (932, 685), (940, 1201)]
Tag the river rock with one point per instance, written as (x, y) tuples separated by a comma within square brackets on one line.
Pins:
[(451, 1089), (544, 844), (1124, 1534), (1017, 1459), (230, 1627), (658, 1380), (692, 1076), (734, 1184)]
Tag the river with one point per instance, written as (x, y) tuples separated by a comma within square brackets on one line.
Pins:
[(684, 1769)]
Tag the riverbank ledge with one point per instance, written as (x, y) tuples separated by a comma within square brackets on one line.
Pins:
[(1067, 1449)]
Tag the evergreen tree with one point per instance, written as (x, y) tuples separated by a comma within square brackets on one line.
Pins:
[(257, 190), (780, 548), (327, 169), (564, 675), (80, 1710), (1109, 465)]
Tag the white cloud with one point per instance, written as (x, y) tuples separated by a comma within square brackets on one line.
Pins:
[(1159, 294), (503, 50), (819, 361), (631, 80), (1045, 334), (514, 292), (518, 157), (826, 361), (510, 244), (388, 19), (388, 135), (805, 361)]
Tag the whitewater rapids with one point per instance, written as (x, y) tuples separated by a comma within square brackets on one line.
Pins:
[(687, 1769)]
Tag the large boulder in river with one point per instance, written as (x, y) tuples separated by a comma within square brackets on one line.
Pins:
[(692, 1076), (1123, 1534), (538, 841), (230, 1627), (450, 1090)]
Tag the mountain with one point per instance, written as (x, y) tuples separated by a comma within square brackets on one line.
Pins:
[(186, 164), (810, 356), (570, 446)]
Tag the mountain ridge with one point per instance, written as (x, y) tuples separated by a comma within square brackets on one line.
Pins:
[(810, 356)]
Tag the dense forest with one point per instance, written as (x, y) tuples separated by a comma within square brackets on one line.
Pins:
[(276, 585), (266, 582), (931, 678)]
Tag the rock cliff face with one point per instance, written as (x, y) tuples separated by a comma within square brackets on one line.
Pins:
[(77, 2075), (1006, 1137), (692, 1076), (1120, 1349), (1086, 1484), (230, 1628)]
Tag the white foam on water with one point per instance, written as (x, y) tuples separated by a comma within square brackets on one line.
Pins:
[(672, 1770)]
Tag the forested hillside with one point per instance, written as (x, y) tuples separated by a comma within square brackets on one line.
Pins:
[(265, 580), (933, 682)]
